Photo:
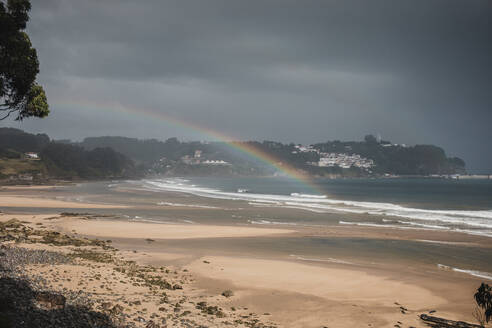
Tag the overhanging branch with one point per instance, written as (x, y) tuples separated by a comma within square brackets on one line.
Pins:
[(8, 114)]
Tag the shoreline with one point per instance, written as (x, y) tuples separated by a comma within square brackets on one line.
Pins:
[(293, 291)]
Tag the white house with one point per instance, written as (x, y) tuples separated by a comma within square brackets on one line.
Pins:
[(31, 155)]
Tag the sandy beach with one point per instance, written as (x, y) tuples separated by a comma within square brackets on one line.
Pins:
[(265, 291), (108, 229), (32, 202)]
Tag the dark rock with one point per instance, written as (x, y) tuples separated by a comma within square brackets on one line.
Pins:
[(50, 301), (227, 293), (152, 324)]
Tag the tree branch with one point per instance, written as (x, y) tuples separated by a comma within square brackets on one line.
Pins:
[(8, 114)]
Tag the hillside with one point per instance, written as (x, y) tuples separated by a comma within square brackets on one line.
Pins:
[(331, 158), (110, 157), (28, 158)]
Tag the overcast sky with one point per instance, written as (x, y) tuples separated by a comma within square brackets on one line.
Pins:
[(415, 71)]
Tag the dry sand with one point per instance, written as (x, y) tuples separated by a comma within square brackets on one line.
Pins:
[(122, 229), (331, 283), (309, 296)]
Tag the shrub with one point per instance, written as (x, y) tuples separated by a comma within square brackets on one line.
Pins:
[(483, 297)]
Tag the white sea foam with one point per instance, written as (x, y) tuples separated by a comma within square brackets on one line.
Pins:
[(479, 274), (472, 222), (440, 242), (369, 224), (186, 205), (265, 202), (428, 226), (329, 259), (267, 221), (295, 194)]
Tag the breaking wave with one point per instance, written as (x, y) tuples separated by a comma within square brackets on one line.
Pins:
[(477, 222), (479, 274)]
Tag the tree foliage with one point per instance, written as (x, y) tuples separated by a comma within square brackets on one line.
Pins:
[(483, 297), (71, 161), (21, 141), (416, 160), (19, 65), (60, 160)]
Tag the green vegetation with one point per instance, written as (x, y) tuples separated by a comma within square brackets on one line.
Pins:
[(399, 159), (483, 297), (70, 161), (141, 150), (12, 166), (56, 160), (19, 65), (19, 141), (167, 157), (91, 255)]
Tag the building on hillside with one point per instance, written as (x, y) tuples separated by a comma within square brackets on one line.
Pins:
[(31, 155), (305, 149), (215, 162), (343, 160)]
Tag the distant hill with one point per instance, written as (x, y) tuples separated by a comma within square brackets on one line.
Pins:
[(178, 158), (108, 157), (21, 141), (140, 150), (28, 157), (399, 159)]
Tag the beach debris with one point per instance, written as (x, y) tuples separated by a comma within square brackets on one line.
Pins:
[(152, 324), (212, 310), (437, 322), (227, 293), (403, 309)]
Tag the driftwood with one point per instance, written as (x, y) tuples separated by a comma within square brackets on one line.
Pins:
[(437, 322)]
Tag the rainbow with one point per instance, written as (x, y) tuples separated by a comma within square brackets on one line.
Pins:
[(243, 147)]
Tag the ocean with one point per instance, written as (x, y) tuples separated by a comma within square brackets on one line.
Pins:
[(435, 204)]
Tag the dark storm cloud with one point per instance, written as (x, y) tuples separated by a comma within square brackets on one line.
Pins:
[(417, 71)]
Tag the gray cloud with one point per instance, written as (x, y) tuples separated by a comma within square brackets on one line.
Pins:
[(415, 71)]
